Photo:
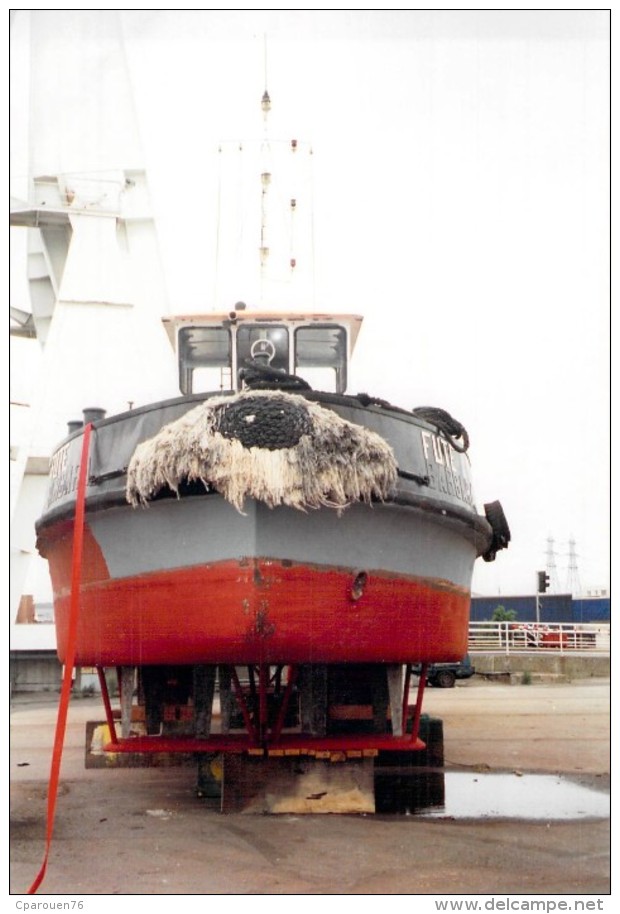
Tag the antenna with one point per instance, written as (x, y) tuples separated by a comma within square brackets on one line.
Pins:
[(265, 62), (265, 176)]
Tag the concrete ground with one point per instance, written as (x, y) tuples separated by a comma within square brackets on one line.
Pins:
[(142, 831)]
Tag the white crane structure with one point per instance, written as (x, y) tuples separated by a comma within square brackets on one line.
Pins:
[(93, 267)]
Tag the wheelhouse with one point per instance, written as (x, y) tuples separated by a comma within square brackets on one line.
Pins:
[(213, 349)]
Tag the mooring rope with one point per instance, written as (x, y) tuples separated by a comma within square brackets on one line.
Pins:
[(449, 427), (65, 693), (259, 376)]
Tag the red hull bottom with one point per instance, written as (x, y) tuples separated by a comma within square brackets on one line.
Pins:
[(258, 611)]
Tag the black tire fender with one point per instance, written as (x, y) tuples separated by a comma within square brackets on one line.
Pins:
[(501, 531)]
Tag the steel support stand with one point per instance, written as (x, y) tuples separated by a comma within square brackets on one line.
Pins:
[(415, 726), (105, 695), (127, 682)]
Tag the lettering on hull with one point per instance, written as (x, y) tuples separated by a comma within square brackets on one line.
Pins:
[(446, 468), (63, 475)]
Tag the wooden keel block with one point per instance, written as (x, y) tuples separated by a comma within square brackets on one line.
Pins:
[(299, 785)]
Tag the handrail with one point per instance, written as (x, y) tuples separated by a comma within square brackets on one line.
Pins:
[(541, 637)]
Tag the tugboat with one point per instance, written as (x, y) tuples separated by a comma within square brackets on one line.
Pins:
[(300, 547), (266, 524)]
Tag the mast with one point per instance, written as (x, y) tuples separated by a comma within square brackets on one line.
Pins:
[(265, 185), (264, 252)]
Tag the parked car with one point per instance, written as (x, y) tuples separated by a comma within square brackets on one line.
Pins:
[(444, 675)]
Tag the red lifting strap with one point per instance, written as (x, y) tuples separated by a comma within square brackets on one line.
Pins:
[(65, 692)]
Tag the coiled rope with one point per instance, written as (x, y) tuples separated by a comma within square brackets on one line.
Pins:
[(447, 425), (260, 376)]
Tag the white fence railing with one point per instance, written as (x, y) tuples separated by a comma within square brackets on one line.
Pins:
[(562, 637)]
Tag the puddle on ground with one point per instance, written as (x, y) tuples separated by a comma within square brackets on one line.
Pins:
[(527, 796)]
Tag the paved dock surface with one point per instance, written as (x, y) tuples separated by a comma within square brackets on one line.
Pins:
[(143, 831)]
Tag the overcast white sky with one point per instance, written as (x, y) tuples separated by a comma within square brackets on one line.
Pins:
[(460, 203)]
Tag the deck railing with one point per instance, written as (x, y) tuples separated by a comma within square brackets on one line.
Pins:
[(562, 637)]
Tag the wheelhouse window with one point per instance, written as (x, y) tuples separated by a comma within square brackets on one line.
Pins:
[(321, 356), (263, 342), (211, 356), (204, 359)]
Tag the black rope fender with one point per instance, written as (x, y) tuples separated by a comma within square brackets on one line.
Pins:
[(258, 375)]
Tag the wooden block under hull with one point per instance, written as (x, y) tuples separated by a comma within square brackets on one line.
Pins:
[(385, 782), (297, 785)]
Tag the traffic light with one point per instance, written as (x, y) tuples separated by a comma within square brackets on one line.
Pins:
[(543, 581)]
